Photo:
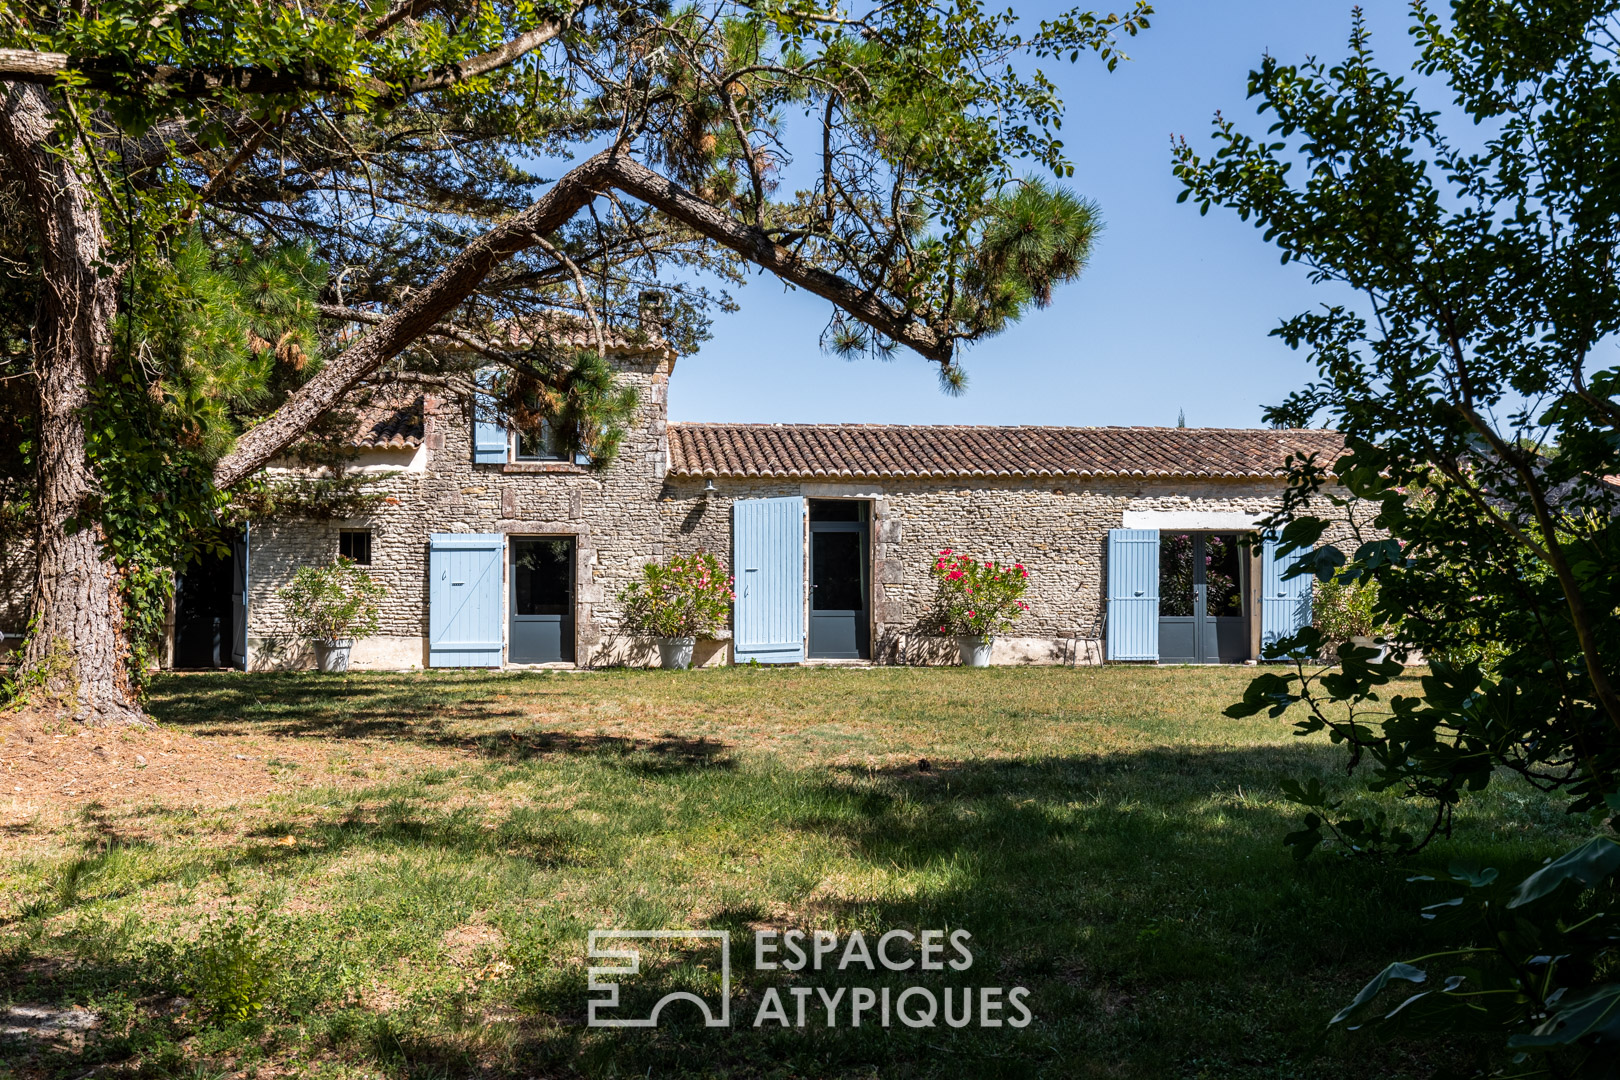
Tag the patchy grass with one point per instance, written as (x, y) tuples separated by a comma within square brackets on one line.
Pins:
[(404, 883)]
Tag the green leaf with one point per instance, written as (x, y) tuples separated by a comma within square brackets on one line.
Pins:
[(1397, 972), (1592, 862), (1594, 1013)]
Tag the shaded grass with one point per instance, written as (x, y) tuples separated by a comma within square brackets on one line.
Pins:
[(1108, 839)]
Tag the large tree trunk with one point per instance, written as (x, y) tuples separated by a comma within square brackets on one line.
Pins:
[(76, 645)]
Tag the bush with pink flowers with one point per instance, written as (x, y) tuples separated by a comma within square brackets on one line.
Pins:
[(976, 597), (688, 596)]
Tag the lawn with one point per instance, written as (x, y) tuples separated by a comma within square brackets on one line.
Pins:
[(401, 871)]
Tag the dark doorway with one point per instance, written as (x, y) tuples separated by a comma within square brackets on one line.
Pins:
[(840, 628), (1201, 618), (209, 594), (542, 600)]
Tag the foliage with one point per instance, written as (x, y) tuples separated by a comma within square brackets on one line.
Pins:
[(1342, 610), (229, 972), (974, 597), (317, 498), (18, 688), (688, 596), (1538, 963), (335, 602), (579, 403), (1481, 421), (1483, 275)]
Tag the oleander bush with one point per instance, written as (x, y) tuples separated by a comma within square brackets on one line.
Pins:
[(687, 596)]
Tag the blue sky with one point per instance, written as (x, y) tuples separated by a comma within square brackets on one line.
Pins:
[(1174, 311)]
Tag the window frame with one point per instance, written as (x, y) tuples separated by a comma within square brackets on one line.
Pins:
[(349, 535), (515, 448)]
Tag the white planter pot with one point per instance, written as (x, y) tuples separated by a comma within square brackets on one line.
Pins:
[(975, 650), (1370, 643), (333, 655), (675, 653)]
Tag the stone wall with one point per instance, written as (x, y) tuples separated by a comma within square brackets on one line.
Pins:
[(612, 514), (1057, 529)]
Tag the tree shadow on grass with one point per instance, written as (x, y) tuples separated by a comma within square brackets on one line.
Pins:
[(1143, 898), (393, 709)]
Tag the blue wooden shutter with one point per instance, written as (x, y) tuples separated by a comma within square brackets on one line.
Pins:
[(1133, 594), (1285, 603), (489, 427), (464, 600), (767, 540)]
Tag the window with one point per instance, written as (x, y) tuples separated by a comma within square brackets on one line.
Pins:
[(838, 509), (539, 447), (355, 544)]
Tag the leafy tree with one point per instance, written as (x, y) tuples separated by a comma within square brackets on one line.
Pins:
[(486, 175), (1483, 334)]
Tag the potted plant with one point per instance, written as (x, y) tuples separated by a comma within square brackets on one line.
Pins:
[(975, 599), (333, 604), (1345, 611), (686, 598)]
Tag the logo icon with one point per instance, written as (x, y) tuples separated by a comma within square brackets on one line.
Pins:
[(597, 951)]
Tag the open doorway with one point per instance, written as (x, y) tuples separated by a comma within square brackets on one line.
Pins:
[(210, 610), (1201, 598), (840, 580), (542, 600)]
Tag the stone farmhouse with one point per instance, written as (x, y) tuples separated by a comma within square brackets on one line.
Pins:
[(496, 556)]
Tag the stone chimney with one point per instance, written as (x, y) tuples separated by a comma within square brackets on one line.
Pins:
[(650, 309)]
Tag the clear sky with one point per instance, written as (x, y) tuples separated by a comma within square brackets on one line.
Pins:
[(1173, 312)]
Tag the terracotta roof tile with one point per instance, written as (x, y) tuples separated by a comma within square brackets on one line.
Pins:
[(873, 450), (384, 424)]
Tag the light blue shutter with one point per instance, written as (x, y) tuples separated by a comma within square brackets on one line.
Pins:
[(1133, 594), (489, 428), (1285, 603), (464, 600), (768, 558)]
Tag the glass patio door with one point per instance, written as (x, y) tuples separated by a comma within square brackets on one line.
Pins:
[(542, 601), (1201, 618)]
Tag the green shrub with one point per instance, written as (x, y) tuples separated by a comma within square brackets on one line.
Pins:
[(688, 596), (1536, 966), (333, 602), (1344, 609), (229, 971)]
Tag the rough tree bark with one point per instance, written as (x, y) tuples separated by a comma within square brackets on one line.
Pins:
[(76, 644)]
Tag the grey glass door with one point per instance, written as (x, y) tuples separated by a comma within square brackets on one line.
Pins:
[(840, 624), (1201, 618), (542, 600)]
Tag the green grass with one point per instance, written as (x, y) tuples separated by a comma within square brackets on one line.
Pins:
[(1110, 841)]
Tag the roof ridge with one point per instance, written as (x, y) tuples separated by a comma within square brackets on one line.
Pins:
[(711, 448), (829, 425)]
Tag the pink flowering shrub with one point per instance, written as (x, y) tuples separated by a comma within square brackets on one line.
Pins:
[(976, 597), (688, 596)]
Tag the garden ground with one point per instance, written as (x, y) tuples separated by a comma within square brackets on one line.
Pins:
[(395, 875)]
